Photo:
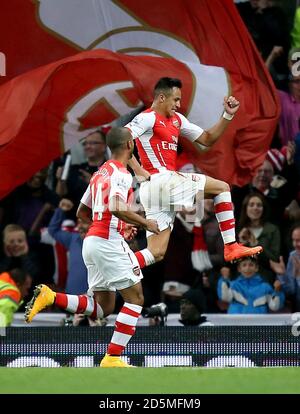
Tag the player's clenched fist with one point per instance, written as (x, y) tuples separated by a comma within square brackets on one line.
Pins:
[(231, 105)]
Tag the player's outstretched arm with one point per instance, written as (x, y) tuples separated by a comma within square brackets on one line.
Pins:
[(211, 135)]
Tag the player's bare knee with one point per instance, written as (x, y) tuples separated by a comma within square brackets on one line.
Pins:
[(159, 257), (140, 300), (137, 299), (223, 187), (158, 254), (108, 310)]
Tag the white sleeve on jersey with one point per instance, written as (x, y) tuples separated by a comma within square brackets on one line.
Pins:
[(141, 123), (87, 197), (120, 184), (189, 130)]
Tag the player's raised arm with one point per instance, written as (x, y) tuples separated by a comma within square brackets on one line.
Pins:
[(211, 135), (204, 139)]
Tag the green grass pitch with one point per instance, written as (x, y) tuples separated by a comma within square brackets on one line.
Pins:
[(149, 380)]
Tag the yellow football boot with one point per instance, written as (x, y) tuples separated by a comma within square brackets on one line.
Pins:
[(43, 296), (114, 362)]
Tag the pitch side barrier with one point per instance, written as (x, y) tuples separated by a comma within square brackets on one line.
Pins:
[(157, 346)]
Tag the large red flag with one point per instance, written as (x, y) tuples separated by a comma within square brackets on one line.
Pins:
[(47, 110)]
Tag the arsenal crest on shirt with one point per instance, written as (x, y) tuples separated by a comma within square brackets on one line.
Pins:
[(176, 123)]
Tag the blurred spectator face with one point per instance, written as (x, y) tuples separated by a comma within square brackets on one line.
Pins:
[(254, 3), (255, 208), (261, 4), (247, 268), (94, 145), (82, 228), (188, 310), (24, 288), (37, 180), (264, 176), (15, 243), (296, 239)]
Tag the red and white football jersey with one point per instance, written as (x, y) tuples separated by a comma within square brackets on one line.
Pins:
[(157, 138), (110, 180)]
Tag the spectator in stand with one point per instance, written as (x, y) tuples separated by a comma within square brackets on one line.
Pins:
[(249, 293), (79, 175), (289, 276), (17, 253), (290, 101), (279, 190), (192, 305), (293, 210), (14, 286), (268, 26), (254, 229), (77, 275), (30, 206)]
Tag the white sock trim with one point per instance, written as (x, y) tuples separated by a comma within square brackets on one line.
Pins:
[(148, 256), (119, 338), (73, 302), (228, 236), (135, 308), (90, 305), (224, 197), (224, 216)]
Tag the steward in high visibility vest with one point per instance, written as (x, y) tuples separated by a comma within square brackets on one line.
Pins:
[(14, 285)]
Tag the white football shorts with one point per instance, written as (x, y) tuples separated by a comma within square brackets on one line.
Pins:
[(167, 192), (111, 264)]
